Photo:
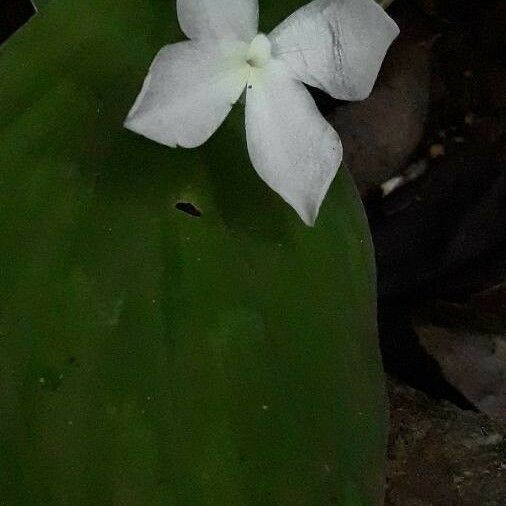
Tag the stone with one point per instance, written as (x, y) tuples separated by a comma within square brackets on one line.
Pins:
[(468, 340), (440, 455)]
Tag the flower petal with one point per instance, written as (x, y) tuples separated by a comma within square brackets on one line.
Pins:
[(293, 149), (336, 45), (218, 19), (189, 91)]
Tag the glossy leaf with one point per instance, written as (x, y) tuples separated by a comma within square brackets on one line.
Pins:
[(153, 357)]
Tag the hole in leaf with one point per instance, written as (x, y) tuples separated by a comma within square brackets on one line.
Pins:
[(188, 208)]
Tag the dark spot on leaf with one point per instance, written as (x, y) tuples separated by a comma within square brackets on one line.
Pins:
[(188, 208)]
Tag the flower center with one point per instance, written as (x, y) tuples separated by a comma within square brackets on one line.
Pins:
[(259, 52)]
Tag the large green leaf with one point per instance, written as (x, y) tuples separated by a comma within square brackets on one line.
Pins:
[(148, 357)]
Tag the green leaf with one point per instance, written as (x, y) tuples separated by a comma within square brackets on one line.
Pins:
[(149, 357)]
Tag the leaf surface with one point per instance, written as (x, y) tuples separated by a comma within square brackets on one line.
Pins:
[(150, 357)]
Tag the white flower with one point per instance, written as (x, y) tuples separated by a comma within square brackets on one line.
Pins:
[(335, 45)]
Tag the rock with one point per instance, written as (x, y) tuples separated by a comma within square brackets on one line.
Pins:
[(468, 340), (380, 134), (437, 232), (440, 455), (445, 231), (442, 238)]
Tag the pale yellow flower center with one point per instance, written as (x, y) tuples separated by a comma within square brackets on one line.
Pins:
[(259, 52)]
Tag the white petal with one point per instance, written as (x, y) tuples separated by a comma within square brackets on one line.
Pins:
[(218, 19), (293, 149), (336, 45), (189, 91)]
